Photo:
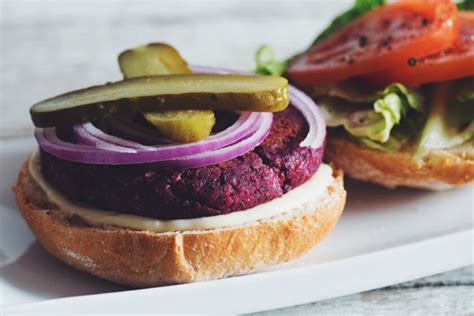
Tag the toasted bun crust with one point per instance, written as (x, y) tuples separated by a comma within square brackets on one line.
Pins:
[(440, 169), (144, 259)]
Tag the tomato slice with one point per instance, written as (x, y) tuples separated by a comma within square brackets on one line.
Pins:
[(452, 63), (390, 35)]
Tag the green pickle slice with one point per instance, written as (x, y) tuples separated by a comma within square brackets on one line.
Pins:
[(184, 126), (159, 93), (150, 60)]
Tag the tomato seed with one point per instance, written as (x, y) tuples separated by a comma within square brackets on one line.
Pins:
[(412, 62)]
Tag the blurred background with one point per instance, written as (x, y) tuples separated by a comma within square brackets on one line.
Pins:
[(50, 47)]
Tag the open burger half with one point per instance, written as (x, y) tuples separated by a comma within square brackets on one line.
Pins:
[(178, 174), (395, 82)]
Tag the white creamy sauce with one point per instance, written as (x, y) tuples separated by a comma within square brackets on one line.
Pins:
[(291, 201)]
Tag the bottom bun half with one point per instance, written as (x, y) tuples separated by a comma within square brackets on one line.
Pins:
[(145, 259), (438, 170)]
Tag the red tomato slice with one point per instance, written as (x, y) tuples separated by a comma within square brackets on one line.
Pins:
[(452, 63), (390, 35)]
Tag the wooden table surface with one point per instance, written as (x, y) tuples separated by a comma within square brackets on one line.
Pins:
[(450, 293), (48, 47)]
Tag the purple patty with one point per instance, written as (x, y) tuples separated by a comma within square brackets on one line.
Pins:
[(275, 167)]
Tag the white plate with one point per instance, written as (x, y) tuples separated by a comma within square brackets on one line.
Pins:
[(384, 237)]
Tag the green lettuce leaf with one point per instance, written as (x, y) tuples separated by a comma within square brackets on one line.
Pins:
[(412, 99), (393, 144), (465, 4), (359, 8), (373, 122), (266, 63), (449, 122), (402, 134)]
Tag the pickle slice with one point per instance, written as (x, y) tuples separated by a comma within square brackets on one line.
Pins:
[(160, 93), (150, 60), (185, 126)]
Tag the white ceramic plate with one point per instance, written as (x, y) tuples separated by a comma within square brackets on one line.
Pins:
[(384, 237)]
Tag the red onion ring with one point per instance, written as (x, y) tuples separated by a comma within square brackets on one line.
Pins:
[(243, 128), (50, 142), (312, 114), (90, 129), (83, 137)]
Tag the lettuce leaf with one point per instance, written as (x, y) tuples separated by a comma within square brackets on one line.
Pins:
[(373, 122), (449, 122), (395, 116), (393, 144), (412, 99), (465, 4), (266, 63)]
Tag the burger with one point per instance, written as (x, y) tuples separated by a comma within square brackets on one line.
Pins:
[(178, 174), (395, 82)]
